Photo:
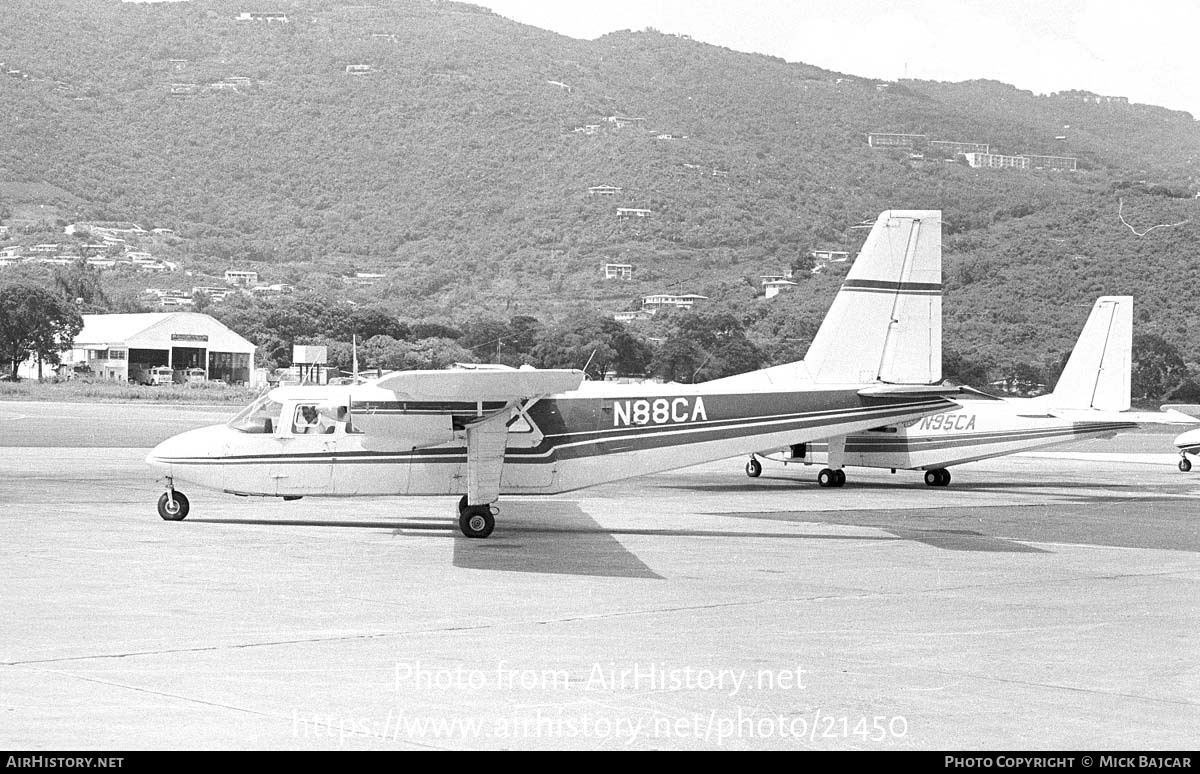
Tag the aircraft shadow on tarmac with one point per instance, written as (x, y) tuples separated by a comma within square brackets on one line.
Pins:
[(552, 538), (945, 538)]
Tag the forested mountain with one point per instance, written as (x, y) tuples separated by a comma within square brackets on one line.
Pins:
[(450, 164)]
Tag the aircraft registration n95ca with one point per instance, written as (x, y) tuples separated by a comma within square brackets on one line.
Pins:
[(1090, 400), (486, 431)]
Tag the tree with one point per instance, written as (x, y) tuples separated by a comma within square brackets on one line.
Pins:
[(710, 345), (1158, 367), (34, 322), (80, 284), (963, 370)]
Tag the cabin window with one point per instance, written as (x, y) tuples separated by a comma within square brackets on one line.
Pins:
[(885, 429), (259, 417)]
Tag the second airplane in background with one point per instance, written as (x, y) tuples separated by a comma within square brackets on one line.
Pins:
[(1090, 400)]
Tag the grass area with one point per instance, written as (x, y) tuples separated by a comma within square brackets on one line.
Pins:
[(111, 392)]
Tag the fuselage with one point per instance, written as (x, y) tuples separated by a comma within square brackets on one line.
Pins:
[(979, 429), (593, 435)]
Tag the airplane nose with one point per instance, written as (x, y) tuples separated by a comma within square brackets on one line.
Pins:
[(205, 443), (1190, 438)]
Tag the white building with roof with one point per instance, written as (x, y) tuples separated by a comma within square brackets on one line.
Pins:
[(124, 346)]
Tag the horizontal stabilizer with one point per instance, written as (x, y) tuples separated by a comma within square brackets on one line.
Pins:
[(1171, 417), (480, 385), (1191, 409), (914, 390)]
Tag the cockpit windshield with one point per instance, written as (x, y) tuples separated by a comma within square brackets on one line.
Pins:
[(261, 416)]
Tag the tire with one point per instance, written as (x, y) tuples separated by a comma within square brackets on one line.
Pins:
[(462, 505), (932, 478), (1185, 464), (178, 512), (753, 468), (827, 478), (840, 477), (945, 477), (477, 522)]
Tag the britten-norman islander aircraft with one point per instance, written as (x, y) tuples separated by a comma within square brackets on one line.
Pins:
[(1090, 400), (484, 432)]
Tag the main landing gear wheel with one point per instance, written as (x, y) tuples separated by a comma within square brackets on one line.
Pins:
[(476, 521), (1185, 464), (831, 478), (753, 468), (937, 477), (173, 506)]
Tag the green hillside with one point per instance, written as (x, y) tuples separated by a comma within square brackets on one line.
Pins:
[(451, 167)]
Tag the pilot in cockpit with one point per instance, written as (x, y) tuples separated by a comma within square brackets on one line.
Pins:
[(309, 422)]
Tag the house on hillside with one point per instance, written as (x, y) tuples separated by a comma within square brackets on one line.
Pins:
[(244, 278), (620, 122), (603, 190), (774, 286), (953, 148), (622, 271), (633, 212), (677, 301), (1052, 162), (996, 161), (281, 18), (893, 140)]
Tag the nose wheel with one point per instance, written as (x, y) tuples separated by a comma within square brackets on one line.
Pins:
[(173, 505), (753, 468), (1185, 464)]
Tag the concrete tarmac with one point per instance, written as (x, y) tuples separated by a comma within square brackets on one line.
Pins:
[(1039, 602)]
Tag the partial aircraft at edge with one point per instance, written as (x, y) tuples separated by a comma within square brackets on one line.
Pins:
[(480, 433), (1090, 400), (1187, 443)]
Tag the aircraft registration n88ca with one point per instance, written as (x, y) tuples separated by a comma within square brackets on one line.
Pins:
[(485, 431)]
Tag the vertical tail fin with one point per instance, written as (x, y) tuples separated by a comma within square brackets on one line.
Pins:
[(886, 323), (1098, 372)]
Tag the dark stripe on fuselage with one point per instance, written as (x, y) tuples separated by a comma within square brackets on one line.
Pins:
[(864, 444), (576, 428)]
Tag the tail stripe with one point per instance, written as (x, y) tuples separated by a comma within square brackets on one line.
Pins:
[(880, 286)]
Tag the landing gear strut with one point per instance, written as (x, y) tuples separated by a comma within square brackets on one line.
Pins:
[(475, 521), (831, 478), (753, 467), (937, 477), (173, 505)]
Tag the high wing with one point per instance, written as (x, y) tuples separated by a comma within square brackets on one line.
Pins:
[(480, 384), (420, 409)]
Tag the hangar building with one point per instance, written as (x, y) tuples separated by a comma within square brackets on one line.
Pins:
[(120, 346)]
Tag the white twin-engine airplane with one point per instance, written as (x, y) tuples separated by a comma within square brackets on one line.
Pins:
[(1090, 399), (481, 433)]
